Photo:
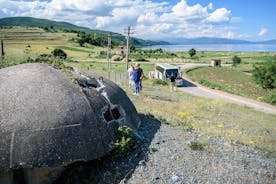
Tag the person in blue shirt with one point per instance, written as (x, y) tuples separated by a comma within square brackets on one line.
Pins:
[(137, 75)]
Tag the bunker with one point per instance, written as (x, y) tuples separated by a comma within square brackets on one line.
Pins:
[(48, 119)]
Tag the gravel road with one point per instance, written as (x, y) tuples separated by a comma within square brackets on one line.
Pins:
[(199, 90)]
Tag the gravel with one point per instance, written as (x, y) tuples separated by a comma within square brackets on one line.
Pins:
[(161, 155)]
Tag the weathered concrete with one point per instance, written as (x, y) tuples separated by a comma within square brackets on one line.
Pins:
[(46, 120)]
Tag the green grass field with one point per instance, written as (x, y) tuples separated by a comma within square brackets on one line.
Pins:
[(231, 80)]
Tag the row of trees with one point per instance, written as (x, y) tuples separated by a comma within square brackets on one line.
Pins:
[(89, 39)]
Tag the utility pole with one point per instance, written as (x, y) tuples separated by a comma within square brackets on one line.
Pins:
[(127, 31), (109, 53), (2, 51)]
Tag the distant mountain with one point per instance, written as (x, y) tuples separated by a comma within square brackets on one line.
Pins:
[(119, 38), (34, 22), (268, 42), (207, 40)]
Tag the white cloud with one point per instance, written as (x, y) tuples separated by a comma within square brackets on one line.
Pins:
[(182, 10), (151, 20), (219, 15), (262, 32), (210, 6)]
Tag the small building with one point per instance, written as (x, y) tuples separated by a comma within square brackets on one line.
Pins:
[(120, 50), (216, 62)]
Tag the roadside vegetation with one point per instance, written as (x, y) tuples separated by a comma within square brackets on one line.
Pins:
[(238, 124), (233, 81)]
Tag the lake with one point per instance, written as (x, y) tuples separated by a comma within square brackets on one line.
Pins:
[(218, 47)]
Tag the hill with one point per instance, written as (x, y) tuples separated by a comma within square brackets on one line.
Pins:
[(214, 40), (65, 26), (208, 40)]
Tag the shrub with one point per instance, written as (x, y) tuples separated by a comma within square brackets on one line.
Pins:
[(265, 75), (271, 99), (196, 145), (123, 140), (59, 53), (236, 60), (192, 52)]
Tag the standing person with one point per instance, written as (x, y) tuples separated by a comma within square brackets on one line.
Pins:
[(130, 78), (141, 74), (172, 78), (137, 74)]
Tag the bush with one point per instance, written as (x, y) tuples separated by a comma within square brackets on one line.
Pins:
[(59, 53), (192, 52), (271, 99), (236, 60), (123, 140), (265, 75), (196, 145)]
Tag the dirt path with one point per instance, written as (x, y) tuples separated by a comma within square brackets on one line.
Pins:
[(202, 91)]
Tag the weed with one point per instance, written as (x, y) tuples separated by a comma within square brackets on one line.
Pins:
[(160, 82), (123, 140), (196, 145)]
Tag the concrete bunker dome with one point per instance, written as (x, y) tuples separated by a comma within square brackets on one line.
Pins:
[(46, 120)]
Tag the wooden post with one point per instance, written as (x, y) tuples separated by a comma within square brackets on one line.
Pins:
[(2, 51)]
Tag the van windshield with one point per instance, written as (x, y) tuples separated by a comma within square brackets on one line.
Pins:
[(170, 72)]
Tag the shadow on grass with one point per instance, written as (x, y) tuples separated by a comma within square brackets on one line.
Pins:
[(114, 168)]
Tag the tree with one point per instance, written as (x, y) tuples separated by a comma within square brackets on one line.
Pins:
[(59, 53), (265, 75), (192, 52), (236, 60)]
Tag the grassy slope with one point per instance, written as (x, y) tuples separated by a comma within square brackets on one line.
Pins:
[(231, 80), (22, 43)]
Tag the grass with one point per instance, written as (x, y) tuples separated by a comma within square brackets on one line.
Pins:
[(230, 80), (196, 145), (238, 124)]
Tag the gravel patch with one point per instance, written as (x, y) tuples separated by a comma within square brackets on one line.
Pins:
[(171, 160), (161, 155)]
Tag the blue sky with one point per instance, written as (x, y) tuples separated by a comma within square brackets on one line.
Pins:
[(158, 19)]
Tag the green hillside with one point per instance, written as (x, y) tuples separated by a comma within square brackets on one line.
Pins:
[(65, 26)]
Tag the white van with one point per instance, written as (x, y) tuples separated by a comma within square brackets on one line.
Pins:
[(164, 71)]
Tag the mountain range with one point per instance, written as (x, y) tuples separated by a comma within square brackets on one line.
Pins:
[(34, 22)]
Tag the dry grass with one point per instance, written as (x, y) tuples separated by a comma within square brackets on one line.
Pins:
[(236, 123)]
